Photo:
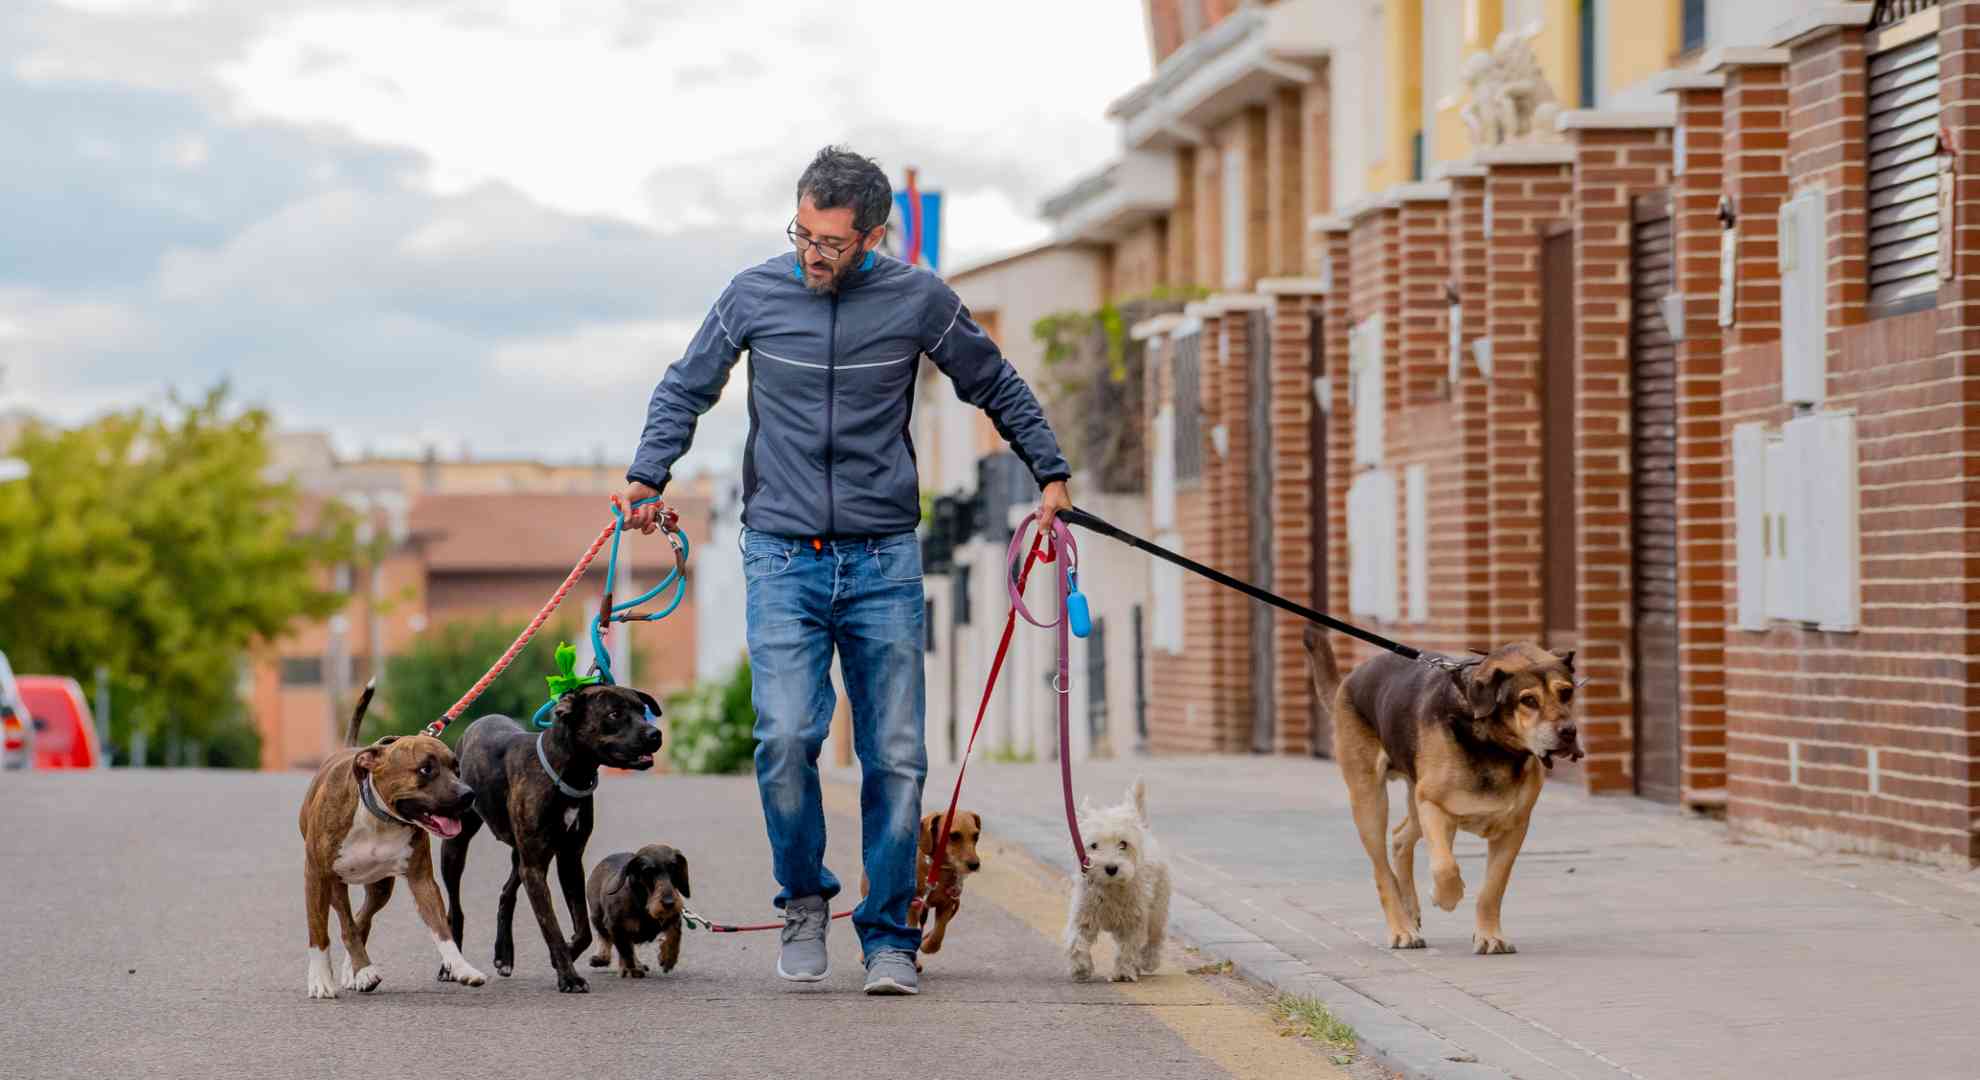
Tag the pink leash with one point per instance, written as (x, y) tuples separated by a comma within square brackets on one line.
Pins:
[(1062, 549)]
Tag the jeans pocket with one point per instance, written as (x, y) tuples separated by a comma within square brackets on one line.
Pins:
[(765, 556), (899, 559)]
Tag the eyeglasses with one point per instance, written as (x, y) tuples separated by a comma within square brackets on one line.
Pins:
[(831, 249)]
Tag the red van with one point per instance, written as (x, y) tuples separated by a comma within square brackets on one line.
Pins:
[(65, 731)]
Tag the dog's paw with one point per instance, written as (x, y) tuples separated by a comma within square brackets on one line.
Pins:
[(1488, 945), (343, 963), (599, 961), (445, 974), (364, 980), (1126, 974), (633, 973), (466, 975), (1449, 890), (1405, 939), (504, 969), (322, 984), (572, 984)]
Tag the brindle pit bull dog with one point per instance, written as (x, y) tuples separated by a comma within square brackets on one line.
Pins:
[(364, 822), (1474, 746), (534, 792), (635, 896)]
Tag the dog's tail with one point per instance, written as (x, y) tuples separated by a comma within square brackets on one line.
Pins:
[(357, 714), (1326, 673)]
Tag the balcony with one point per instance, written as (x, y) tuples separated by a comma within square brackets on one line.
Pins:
[(1103, 206), (1240, 62)]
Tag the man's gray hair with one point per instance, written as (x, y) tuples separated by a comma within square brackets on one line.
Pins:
[(838, 178)]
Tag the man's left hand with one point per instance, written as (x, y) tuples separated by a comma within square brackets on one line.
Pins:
[(1050, 501)]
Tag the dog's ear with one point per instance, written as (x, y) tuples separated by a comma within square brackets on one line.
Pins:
[(979, 822), (1138, 795), (1483, 690), (367, 759), (568, 708), (677, 872), (931, 832), (646, 701), (1566, 657), (628, 879)]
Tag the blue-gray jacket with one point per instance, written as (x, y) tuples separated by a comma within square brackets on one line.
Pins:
[(831, 390)]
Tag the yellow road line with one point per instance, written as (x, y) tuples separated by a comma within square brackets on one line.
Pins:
[(1237, 1036)]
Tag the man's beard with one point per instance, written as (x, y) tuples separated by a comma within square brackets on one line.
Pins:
[(831, 285)]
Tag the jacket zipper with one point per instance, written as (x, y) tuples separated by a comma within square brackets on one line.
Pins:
[(831, 383)]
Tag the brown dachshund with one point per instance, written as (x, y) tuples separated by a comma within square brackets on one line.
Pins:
[(963, 861)]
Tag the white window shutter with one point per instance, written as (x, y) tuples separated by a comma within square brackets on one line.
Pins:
[(1166, 587), (1780, 546), (1750, 523), (1387, 565), (1804, 303), (1164, 509), (1456, 320), (1416, 500), (1372, 562), (1359, 602), (1823, 449), (1365, 359)]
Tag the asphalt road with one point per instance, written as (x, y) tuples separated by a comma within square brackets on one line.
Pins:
[(151, 925)]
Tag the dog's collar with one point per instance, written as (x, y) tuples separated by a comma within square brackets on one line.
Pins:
[(369, 798), (575, 793), (934, 877)]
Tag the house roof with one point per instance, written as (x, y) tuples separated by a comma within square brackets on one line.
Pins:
[(524, 533)]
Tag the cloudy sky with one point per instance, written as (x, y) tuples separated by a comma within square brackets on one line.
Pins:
[(483, 224)]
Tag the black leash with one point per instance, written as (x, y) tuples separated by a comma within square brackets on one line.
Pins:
[(1079, 517)]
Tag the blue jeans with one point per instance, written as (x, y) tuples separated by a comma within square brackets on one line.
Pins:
[(864, 599)]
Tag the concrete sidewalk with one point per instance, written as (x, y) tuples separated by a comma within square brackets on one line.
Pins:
[(1650, 945)]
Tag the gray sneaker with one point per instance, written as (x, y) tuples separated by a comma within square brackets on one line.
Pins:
[(803, 957), (891, 971)]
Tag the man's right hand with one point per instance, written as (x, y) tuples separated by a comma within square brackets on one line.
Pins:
[(645, 518)]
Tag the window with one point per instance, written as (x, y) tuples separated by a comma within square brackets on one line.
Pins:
[(302, 671), (1804, 299), (1189, 407), (1691, 32), (1591, 54), (1796, 504), (1237, 275), (1903, 134), (1365, 390)]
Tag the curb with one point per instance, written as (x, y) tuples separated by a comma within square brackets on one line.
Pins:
[(1390, 1040)]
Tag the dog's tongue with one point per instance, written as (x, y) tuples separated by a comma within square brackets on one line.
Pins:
[(443, 827)]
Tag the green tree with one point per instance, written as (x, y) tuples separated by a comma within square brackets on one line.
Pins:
[(156, 545), (426, 680)]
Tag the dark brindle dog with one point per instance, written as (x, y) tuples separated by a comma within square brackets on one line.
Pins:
[(1474, 746), (635, 896), (534, 793)]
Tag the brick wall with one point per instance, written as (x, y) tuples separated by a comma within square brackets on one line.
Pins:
[(1523, 199), (1333, 247), (1704, 473), (1470, 530), (1140, 260), (1756, 100), (1826, 122), (1959, 299), (1297, 482), (1612, 167)]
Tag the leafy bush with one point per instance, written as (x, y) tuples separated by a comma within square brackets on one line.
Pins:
[(710, 728)]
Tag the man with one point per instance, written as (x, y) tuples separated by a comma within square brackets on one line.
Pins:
[(835, 332)]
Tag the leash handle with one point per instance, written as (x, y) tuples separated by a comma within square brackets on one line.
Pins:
[(1064, 550), (1088, 521)]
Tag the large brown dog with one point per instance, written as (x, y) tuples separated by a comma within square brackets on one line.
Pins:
[(364, 822), (1473, 744)]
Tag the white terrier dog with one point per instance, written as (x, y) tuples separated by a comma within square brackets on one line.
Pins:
[(1125, 891)]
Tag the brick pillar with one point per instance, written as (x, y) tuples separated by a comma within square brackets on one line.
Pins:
[(1756, 101), (1296, 484), (1375, 288), (1423, 269), (1613, 165), (1959, 298), (1826, 146), (1704, 473), (1526, 189), (1467, 251), (1333, 250), (1285, 183), (1184, 270)]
